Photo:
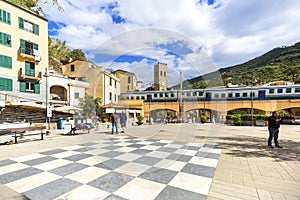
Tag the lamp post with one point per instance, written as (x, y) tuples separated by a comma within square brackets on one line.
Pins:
[(253, 80), (48, 110), (149, 101)]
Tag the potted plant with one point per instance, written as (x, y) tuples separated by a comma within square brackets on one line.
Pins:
[(203, 119), (140, 120)]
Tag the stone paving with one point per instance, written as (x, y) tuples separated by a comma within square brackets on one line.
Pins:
[(246, 169)]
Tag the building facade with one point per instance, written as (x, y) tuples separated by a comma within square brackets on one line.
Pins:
[(23, 53), (128, 80), (160, 76), (102, 84)]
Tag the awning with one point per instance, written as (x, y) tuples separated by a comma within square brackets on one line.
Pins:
[(109, 110), (67, 108)]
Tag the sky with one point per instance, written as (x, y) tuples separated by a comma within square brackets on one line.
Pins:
[(191, 36)]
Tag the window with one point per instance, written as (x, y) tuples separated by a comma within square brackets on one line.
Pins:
[(166, 95), (188, 94), (29, 69), (115, 97), (252, 94), (271, 91), (110, 96), (5, 39), (279, 91), (297, 90), (194, 94), (230, 95), (165, 74), (155, 95), (172, 94), (201, 93), (161, 95), (5, 61), (223, 95), (129, 79), (115, 84), (137, 98), (28, 47), (5, 16), (27, 86), (110, 81), (72, 68), (288, 90), (5, 84), (127, 98), (132, 98), (76, 95), (245, 94), (216, 95), (160, 73), (143, 98), (128, 87), (28, 26), (237, 94)]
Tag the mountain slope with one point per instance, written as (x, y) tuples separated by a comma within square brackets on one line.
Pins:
[(282, 63)]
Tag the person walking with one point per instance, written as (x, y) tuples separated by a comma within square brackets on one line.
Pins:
[(114, 122), (273, 127), (123, 120)]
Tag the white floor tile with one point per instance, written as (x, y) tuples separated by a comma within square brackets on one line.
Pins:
[(84, 192), (204, 161), (28, 183), (138, 189), (128, 157), (198, 184), (52, 164), (171, 165), (12, 167), (88, 174), (28, 157), (133, 169)]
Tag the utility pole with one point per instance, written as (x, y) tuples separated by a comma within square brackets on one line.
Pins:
[(48, 109), (180, 99)]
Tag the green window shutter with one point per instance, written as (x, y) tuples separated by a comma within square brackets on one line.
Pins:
[(21, 23), (6, 84), (1, 38), (22, 86), (22, 44), (37, 88), (1, 18), (8, 40), (8, 18), (2, 61), (35, 46), (36, 29), (29, 69), (5, 61)]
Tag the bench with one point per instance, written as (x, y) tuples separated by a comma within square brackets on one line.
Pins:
[(19, 132)]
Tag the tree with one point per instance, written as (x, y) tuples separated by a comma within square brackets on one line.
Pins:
[(89, 105), (34, 5), (77, 54)]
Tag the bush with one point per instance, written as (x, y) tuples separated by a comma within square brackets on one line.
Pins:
[(140, 118), (236, 117), (203, 118), (105, 119)]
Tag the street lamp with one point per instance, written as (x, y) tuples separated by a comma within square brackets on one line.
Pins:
[(48, 110), (149, 101), (253, 80)]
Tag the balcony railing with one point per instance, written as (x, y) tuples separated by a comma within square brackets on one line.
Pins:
[(29, 53), (23, 76)]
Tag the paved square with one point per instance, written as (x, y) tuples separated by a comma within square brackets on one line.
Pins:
[(120, 167)]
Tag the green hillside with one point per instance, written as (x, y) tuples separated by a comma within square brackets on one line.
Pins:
[(282, 63)]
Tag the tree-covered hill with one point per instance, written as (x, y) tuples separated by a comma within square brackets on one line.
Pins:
[(282, 63)]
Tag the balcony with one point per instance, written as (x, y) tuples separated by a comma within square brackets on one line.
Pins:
[(23, 76), (30, 54)]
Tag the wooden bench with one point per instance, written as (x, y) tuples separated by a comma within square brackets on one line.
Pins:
[(19, 132)]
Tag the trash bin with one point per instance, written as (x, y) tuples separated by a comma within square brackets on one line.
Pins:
[(61, 123), (67, 128)]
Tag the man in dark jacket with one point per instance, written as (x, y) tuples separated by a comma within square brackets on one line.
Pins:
[(273, 126)]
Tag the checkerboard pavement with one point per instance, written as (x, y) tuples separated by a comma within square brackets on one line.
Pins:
[(120, 167)]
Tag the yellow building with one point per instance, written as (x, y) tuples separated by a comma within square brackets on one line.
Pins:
[(23, 54), (102, 84), (128, 80)]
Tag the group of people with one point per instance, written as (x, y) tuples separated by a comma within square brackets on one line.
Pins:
[(115, 121), (273, 126)]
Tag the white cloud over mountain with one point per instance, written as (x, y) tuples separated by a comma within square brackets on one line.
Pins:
[(230, 31)]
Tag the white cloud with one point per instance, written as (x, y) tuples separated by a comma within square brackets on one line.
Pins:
[(234, 32)]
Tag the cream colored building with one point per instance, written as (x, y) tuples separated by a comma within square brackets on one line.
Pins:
[(23, 54), (102, 84), (128, 80), (160, 76)]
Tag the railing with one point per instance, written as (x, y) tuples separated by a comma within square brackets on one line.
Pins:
[(21, 75), (26, 50)]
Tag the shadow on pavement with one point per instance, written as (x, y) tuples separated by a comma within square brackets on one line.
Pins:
[(246, 146)]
